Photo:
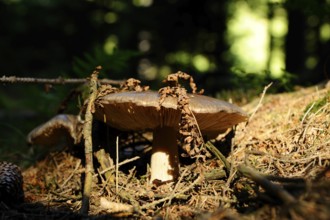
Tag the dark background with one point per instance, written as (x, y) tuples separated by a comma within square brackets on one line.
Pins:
[(42, 38), (66, 38)]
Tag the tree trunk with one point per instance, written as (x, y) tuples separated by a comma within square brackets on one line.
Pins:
[(295, 42)]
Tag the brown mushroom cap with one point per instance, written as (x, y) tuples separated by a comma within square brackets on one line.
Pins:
[(140, 110), (62, 127)]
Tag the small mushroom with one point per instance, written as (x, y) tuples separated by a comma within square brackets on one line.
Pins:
[(132, 111), (60, 128)]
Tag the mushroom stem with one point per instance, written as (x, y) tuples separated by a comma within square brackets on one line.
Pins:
[(164, 158)]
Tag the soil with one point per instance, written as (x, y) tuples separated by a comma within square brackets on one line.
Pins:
[(285, 143)]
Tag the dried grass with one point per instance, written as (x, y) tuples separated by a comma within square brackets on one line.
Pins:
[(283, 139)]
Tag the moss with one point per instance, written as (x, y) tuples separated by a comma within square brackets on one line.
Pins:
[(316, 105)]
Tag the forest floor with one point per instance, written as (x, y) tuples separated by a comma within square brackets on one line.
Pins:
[(279, 168)]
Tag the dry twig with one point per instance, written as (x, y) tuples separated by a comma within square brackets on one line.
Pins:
[(171, 196), (72, 173), (59, 80), (260, 101), (271, 188), (87, 132), (120, 164)]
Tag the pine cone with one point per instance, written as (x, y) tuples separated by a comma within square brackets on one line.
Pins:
[(11, 184)]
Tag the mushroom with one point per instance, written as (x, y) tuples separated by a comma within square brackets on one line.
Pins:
[(62, 127), (132, 111)]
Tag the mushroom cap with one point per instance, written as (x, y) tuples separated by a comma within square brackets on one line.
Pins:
[(141, 110), (62, 127)]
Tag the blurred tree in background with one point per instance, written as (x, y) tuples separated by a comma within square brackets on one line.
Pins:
[(307, 41), (153, 38), (225, 45)]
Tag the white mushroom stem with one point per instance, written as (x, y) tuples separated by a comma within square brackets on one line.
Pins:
[(164, 158)]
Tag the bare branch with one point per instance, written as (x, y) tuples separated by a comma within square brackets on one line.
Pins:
[(59, 80), (270, 187), (87, 132)]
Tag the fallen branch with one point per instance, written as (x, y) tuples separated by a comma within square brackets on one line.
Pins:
[(115, 207), (260, 179), (87, 132), (59, 80), (270, 187)]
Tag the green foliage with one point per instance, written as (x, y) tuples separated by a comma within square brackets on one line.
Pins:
[(246, 86), (258, 81), (316, 105), (114, 64)]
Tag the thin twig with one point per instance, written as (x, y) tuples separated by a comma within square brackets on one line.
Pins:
[(87, 132), (59, 80), (130, 198), (72, 173), (152, 204), (177, 185), (260, 101), (65, 196), (120, 164), (117, 162), (306, 113)]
